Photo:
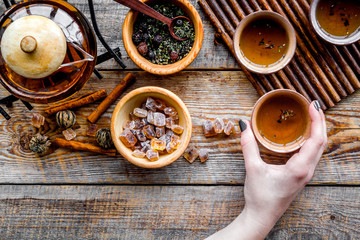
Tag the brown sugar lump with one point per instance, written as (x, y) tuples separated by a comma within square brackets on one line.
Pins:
[(152, 155), (229, 128), (128, 138), (153, 129), (209, 128), (219, 125), (69, 134), (37, 120), (191, 154), (203, 155)]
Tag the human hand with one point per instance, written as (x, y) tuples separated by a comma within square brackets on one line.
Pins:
[(269, 189)]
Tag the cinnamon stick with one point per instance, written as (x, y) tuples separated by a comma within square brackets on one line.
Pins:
[(228, 41), (110, 99), (75, 145), (77, 102)]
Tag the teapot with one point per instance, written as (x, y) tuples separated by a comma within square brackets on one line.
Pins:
[(47, 50)]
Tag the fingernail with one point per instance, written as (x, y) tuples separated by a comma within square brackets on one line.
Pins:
[(242, 125), (317, 105)]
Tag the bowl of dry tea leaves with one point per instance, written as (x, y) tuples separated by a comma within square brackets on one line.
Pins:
[(151, 127), (150, 44)]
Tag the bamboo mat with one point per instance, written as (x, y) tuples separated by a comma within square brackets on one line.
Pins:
[(318, 70)]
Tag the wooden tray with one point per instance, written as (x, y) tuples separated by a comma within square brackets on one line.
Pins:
[(318, 70)]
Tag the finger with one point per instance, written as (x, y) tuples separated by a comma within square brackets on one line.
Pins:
[(249, 146), (313, 147)]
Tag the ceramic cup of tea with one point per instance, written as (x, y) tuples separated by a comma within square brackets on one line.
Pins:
[(281, 121), (264, 42), (337, 22)]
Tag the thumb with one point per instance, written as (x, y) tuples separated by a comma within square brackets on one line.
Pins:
[(249, 146)]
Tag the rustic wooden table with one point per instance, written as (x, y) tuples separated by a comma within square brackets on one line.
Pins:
[(81, 195)]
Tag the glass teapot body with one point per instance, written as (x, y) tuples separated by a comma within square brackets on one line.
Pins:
[(76, 66)]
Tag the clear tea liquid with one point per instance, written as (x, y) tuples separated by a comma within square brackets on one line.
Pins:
[(281, 121), (264, 42), (339, 18)]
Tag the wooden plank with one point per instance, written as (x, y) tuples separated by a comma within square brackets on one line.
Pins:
[(110, 17), (226, 94), (165, 212)]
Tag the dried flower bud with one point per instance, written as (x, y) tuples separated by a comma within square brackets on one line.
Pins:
[(143, 26), (174, 55), (103, 138), (137, 38), (151, 54), (143, 48), (158, 39), (65, 119), (145, 37), (179, 22), (39, 143)]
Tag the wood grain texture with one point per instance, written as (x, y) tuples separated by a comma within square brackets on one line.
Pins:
[(207, 94), (110, 18), (165, 212)]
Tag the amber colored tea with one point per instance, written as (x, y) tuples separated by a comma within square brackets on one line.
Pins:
[(339, 18), (264, 42), (281, 121)]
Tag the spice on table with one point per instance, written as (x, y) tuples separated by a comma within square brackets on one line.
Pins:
[(115, 94), (75, 145), (103, 138), (77, 102), (153, 40), (65, 119), (39, 143)]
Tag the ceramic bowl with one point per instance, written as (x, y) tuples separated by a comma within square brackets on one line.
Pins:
[(263, 115), (134, 99), (169, 68), (282, 22), (352, 38)]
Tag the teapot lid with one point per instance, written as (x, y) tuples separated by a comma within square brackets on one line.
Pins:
[(33, 46)]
